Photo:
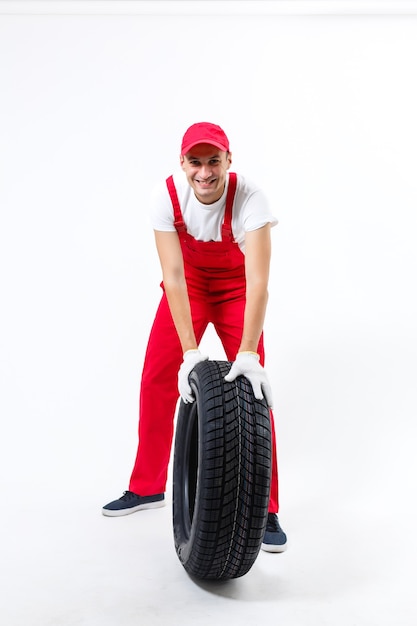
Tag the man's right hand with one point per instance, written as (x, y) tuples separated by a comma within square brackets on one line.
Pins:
[(190, 359)]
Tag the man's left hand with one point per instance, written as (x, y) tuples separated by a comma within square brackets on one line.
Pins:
[(247, 364)]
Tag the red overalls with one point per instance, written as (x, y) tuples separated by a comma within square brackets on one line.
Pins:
[(215, 275)]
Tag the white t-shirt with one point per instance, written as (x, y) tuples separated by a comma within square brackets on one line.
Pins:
[(204, 221)]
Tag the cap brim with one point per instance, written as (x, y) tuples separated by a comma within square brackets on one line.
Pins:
[(210, 142)]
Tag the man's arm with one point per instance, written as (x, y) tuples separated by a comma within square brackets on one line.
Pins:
[(257, 263), (172, 264)]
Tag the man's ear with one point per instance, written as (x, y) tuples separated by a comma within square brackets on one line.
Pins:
[(229, 159), (182, 161)]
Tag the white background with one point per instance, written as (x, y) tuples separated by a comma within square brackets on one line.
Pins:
[(320, 110)]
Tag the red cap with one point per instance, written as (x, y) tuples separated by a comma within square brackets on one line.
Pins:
[(204, 132)]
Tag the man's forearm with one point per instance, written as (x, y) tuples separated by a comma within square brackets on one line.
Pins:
[(256, 302), (179, 306)]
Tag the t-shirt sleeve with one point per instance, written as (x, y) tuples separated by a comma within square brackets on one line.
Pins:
[(161, 213), (256, 212)]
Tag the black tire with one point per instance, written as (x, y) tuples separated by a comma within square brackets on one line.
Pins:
[(221, 475)]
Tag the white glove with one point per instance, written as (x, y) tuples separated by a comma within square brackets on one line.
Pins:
[(190, 359), (247, 364)]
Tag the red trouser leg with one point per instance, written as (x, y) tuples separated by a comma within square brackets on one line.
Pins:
[(158, 399), (228, 322)]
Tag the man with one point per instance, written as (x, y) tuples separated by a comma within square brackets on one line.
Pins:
[(212, 232)]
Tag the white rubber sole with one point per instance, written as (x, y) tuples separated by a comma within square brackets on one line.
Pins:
[(133, 509), (270, 547)]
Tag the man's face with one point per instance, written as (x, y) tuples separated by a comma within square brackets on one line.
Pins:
[(205, 167)]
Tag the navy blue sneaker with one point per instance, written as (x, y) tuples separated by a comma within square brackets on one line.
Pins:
[(130, 503), (275, 540)]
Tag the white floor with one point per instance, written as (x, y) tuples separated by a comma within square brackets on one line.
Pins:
[(64, 564)]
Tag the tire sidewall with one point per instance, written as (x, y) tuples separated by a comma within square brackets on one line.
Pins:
[(185, 492)]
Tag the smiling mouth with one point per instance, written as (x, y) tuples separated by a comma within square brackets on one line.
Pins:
[(205, 182)]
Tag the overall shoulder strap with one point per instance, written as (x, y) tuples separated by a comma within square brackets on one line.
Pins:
[(227, 222), (178, 219)]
